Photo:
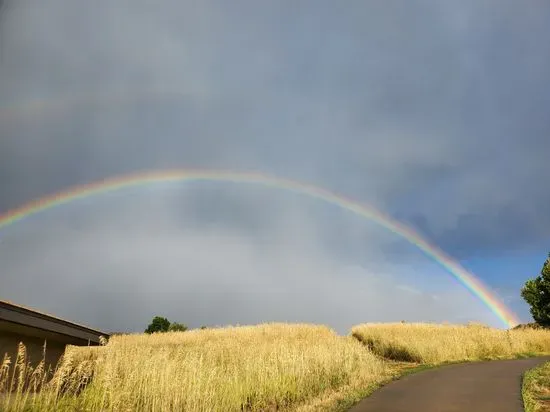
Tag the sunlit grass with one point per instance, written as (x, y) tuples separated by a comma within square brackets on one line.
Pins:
[(536, 389), (251, 368), (227, 369), (436, 343)]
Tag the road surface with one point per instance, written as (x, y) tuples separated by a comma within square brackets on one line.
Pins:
[(471, 387)]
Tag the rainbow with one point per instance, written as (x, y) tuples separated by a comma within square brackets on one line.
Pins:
[(467, 279)]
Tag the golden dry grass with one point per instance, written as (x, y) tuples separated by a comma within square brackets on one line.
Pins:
[(536, 389), (437, 343), (251, 368), (228, 369)]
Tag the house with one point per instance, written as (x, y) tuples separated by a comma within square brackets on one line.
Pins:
[(33, 328)]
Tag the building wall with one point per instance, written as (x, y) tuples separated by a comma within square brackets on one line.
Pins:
[(9, 343)]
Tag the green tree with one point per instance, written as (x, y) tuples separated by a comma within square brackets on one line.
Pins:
[(536, 293), (158, 324), (177, 327)]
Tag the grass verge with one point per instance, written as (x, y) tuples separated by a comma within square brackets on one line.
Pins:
[(536, 389)]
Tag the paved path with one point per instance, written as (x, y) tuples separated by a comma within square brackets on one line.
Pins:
[(493, 386)]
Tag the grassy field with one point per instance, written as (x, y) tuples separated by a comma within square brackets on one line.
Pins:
[(536, 389), (251, 368), (436, 343), (231, 369)]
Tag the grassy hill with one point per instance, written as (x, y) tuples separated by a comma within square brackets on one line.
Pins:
[(296, 367)]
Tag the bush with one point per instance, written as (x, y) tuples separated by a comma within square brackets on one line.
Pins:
[(177, 327), (158, 324)]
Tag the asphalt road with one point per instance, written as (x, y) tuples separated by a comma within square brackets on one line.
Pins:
[(493, 386)]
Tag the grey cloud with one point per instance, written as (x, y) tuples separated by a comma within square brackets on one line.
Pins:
[(118, 270), (435, 112)]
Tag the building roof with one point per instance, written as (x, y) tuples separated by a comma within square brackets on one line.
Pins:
[(31, 319)]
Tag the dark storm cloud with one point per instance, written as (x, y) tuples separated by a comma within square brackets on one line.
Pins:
[(433, 111), (446, 103)]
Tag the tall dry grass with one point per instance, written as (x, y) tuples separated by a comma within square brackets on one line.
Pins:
[(264, 367), (536, 389), (437, 343), (24, 387), (228, 369)]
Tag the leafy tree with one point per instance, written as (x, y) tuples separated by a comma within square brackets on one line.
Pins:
[(177, 327), (158, 324), (203, 327), (536, 293)]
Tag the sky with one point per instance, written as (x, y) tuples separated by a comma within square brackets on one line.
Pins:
[(433, 112)]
